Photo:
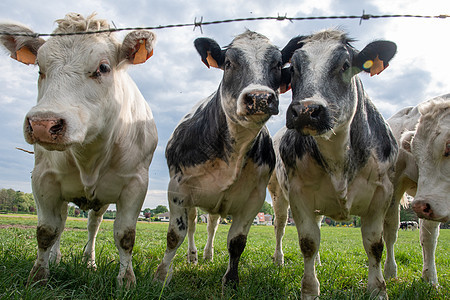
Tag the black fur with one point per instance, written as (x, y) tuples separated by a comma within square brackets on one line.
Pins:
[(202, 137), (262, 151)]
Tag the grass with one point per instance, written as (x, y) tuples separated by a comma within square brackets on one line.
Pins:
[(343, 274)]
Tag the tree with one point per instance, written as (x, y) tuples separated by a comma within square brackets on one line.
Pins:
[(267, 209), (159, 210)]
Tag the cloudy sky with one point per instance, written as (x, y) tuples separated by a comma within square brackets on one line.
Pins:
[(174, 79)]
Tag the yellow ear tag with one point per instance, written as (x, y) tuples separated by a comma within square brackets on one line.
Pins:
[(25, 56), (141, 55), (377, 67), (211, 61)]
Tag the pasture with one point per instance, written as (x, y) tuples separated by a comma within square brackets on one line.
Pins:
[(343, 273)]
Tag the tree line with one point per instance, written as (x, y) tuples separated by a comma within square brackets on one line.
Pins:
[(16, 201)]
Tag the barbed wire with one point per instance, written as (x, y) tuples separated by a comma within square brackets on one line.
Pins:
[(199, 24)]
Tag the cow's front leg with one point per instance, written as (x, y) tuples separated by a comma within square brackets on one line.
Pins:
[(192, 255), (94, 220), (429, 233), (48, 231), (390, 233), (372, 231), (55, 253), (175, 236), (128, 208), (280, 207), (211, 227), (309, 239)]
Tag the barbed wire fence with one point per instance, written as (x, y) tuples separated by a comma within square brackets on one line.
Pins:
[(198, 24)]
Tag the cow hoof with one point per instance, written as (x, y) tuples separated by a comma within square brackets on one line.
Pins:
[(38, 274), (162, 275), (192, 257), (128, 280), (278, 259)]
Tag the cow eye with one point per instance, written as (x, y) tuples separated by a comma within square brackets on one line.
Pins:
[(41, 75), (104, 68), (227, 64), (447, 149), (345, 66)]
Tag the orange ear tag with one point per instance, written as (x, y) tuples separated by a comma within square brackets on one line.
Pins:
[(377, 67), (141, 55), (25, 56), (211, 61)]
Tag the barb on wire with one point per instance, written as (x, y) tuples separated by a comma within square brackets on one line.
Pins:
[(200, 23)]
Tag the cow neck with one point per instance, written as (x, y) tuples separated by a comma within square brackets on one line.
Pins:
[(91, 159), (243, 139), (335, 153)]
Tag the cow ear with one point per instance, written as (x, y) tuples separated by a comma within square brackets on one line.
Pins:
[(21, 48), (375, 57), (406, 140), (137, 46), (289, 49), (210, 52)]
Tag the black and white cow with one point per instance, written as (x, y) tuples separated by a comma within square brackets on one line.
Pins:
[(422, 171), (220, 155), (337, 153)]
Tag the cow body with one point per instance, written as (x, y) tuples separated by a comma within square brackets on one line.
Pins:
[(336, 155), (220, 156), (93, 135), (422, 169)]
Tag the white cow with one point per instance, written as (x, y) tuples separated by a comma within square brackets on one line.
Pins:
[(423, 171), (93, 133)]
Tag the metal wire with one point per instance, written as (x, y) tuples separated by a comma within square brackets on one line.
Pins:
[(199, 24)]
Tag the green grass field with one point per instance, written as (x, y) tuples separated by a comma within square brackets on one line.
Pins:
[(343, 273)]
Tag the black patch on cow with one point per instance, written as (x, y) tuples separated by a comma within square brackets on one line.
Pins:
[(127, 241), (172, 239), (85, 204), (262, 152), (377, 250), (181, 224), (235, 249), (202, 137), (46, 236), (294, 146), (308, 247)]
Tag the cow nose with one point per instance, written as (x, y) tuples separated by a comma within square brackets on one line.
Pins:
[(261, 103), (308, 118), (47, 130), (422, 209)]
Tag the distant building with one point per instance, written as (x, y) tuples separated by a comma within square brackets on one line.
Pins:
[(164, 217), (262, 219)]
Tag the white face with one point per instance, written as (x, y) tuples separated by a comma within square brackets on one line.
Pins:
[(75, 91), (431, 150)]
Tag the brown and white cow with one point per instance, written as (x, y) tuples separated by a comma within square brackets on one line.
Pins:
[(92, 130), (336, 156), (220, 156), (423, 171)]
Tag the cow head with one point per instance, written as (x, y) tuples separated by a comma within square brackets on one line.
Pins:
[(251, 79), (324, 95), (79, 79), (430, 146)]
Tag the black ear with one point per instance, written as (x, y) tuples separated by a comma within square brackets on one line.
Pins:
[(289, 49), (285, 80), (375, 57), (210, 52)]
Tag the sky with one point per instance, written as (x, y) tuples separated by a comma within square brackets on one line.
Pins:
[(174, 79)]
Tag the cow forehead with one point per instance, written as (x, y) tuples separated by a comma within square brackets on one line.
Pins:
[(252, 44)]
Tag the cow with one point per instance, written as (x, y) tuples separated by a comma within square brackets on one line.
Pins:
[(335, 157), (220, 156), (93, 133), (422, 171), (409, 225)]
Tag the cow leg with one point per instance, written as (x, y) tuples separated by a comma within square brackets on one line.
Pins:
[(128, 208), (390, 234), (309, 239), (49, 228), (175, 235), (55, 252), (372, 230), (213, 223), (94, 220), (429, 232), (192, 255), (319, 224), (280, 207)]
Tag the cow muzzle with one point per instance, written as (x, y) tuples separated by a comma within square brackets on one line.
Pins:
[(424, 209), (308, 117), (48, 132), (253, 103)]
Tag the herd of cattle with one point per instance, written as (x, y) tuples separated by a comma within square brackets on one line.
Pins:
[(94, 137)]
